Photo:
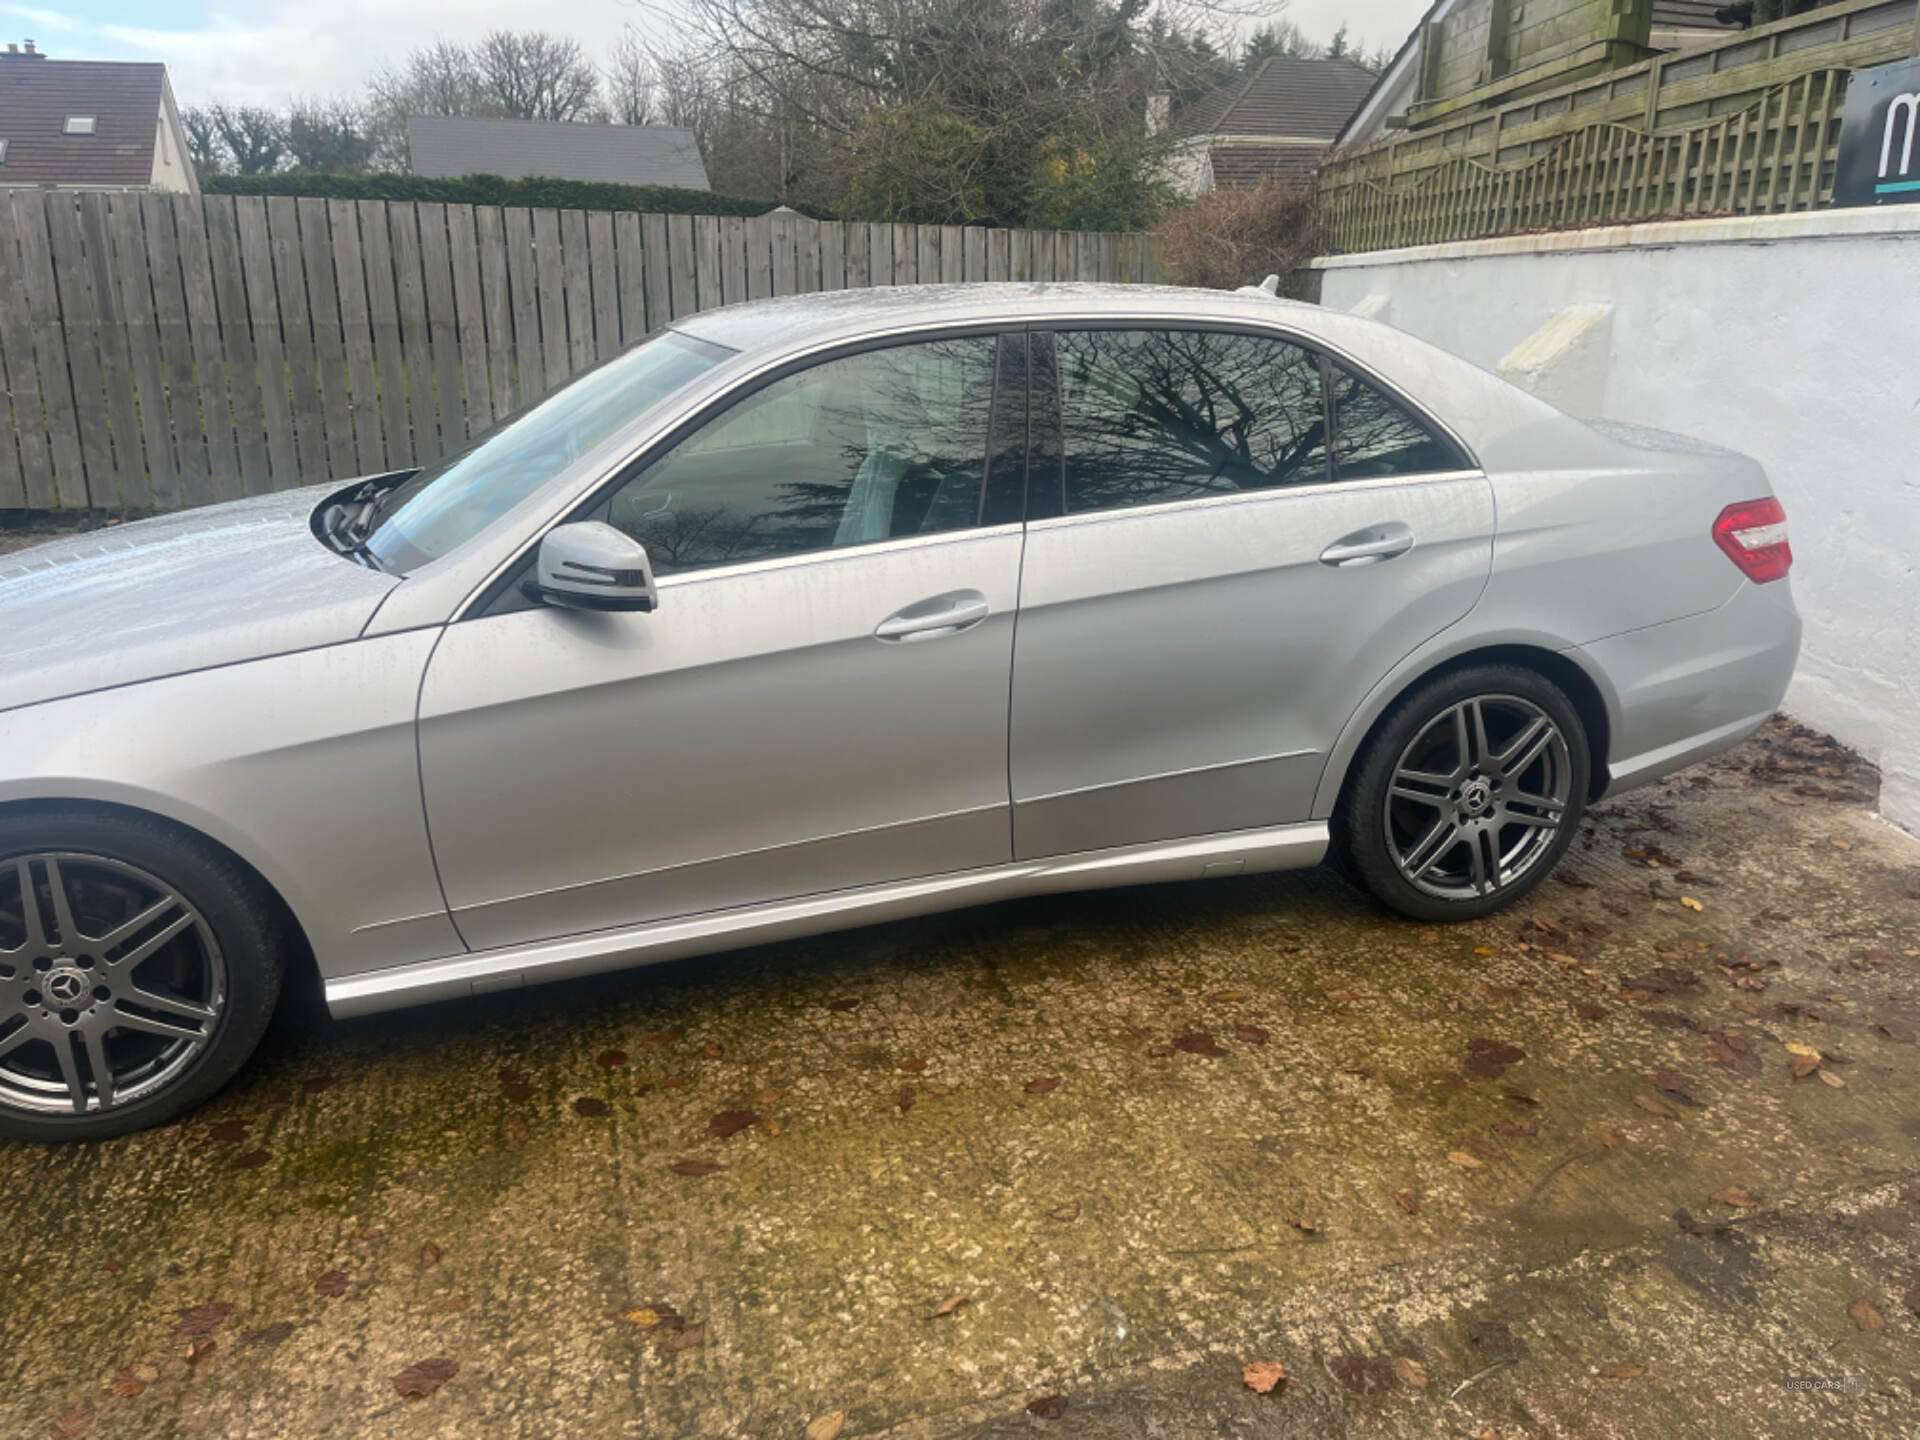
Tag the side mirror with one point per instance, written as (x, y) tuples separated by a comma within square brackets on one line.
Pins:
[(592, 566)]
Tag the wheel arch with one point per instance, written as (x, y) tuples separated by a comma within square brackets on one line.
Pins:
[(1592, 700), (296, 932)]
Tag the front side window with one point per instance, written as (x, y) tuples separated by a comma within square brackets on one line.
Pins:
[(1375, 435), (868, 447), (1149, 416), (450, 502)]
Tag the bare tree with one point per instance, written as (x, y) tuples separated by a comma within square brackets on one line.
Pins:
[(437, 79), (254, 137), (631, 81), (532, 75), (328, 135), (204, 149)]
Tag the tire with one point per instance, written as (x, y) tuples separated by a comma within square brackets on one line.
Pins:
[(1438, 835), (168, 979)]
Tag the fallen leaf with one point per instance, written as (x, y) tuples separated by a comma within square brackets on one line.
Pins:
[(74, 1423), (202, 1320), (610, 1059), (430, 1254), (1893, 1030), (199, 1348), (455, 1303), (1048, 1407), (660, 1038), (657, 1316), (268, 1336), (333, 1284), (936, 1087), (906, 1098), (516, 1092), (827, 1426), (1300, 1220), (1805, 1052), (1250, 1034), (589, 1107), (250, 1160), (134, 1379), (1407, 1203), (1520, 1098), (1802, 1067), (850, 1002), (1691, 903), (1912, 1298), (1466, 1161), (1827, 1077), (913, 1065), (732, 1122), (949, 1305), (767, 1097), (423, 1377), (1489, 1059), (1065, 1212), (1411, 1372), (1343, 997), (1736, 1196), (696, 1168), (1260, 1376), (1363, 1374), (1586, 1010), (685, 1340), (1229, 997), (1198, 1042), (1623, 1372), (228, 1132), (1613, 1139), (1045, 1084), (1653, 1104), (1866, 1317)]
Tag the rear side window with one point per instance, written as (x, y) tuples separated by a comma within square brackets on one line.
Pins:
[(1375, 435), (1150, 416)]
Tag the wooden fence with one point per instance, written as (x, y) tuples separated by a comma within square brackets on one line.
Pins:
[(160, 351), (1744, 125)]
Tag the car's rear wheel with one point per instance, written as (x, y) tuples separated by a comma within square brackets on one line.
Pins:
[(139, 966), (1468, 794)]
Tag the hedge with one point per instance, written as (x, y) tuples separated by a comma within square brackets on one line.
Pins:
[(540, 194)]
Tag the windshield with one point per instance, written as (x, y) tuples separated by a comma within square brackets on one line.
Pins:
[(450, 502)]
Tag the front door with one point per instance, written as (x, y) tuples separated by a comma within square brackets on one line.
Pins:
[(1210, 586), (819, 701)]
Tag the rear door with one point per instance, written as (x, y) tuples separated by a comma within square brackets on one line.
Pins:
[(1231, 538)]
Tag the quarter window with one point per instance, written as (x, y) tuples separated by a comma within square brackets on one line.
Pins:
[(1374, 435), (869, 447), (1149, 416)]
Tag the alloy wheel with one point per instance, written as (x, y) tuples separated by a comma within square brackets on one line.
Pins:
[(111, 983), (1478, 797)]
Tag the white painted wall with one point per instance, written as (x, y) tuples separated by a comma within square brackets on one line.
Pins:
[(1794, 338)]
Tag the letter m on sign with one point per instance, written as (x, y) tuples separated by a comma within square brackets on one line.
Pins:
[(1907, 107)]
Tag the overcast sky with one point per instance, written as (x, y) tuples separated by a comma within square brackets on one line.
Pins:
[(268, 50)]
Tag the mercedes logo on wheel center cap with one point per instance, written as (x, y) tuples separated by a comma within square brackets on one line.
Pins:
[(66, 986), (1476, 796)]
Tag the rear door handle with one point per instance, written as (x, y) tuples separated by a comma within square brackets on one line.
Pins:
[(1369, 546), (938, 615)]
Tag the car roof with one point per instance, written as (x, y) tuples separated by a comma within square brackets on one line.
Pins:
[(759, 325)]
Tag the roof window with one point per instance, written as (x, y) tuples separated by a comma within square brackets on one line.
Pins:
[(80, 124)]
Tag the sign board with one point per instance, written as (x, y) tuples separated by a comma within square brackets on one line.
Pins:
[(1880, 137)]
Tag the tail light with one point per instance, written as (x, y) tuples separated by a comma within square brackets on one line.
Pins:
[(1754, 536)]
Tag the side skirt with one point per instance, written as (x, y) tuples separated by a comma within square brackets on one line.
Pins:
[(1239, 852)]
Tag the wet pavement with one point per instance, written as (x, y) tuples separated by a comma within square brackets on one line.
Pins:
[(1064, 1167)]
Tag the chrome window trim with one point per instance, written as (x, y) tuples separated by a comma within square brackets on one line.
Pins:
[(1249, 497), (683, 578)]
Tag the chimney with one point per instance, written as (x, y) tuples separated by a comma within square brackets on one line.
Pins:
[(1158, 108)]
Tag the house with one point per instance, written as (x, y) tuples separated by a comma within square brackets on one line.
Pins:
[(1275, 122), (89, 125), (521, 149), (1477, 53)]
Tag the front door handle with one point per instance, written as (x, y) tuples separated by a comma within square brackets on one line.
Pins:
[(939, 615), (1369, 546)]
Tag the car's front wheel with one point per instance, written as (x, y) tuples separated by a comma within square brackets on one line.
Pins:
[(139, 966), (1468, 794)]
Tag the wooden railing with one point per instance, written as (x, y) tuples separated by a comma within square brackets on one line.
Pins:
[(160, 351), (1744, 125)]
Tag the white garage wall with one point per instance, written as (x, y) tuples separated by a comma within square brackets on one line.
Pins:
[(1794, 338)]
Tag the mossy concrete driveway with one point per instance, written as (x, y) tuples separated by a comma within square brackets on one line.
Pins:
[(1063, 1167)]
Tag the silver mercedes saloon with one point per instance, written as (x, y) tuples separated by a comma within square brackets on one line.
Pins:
[(821, 611)]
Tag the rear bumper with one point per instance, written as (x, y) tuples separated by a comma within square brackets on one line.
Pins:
[(1694, 687)]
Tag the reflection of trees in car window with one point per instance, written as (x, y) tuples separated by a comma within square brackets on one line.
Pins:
[(877, 445), (1374, 436), (1156, 415)]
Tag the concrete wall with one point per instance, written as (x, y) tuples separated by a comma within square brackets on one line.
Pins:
[(1794, 338)]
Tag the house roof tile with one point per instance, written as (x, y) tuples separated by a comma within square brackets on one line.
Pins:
[(517, 149), (36, 97), (1281, 97)]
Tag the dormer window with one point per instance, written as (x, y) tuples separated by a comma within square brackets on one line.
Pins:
[(80, 124)]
